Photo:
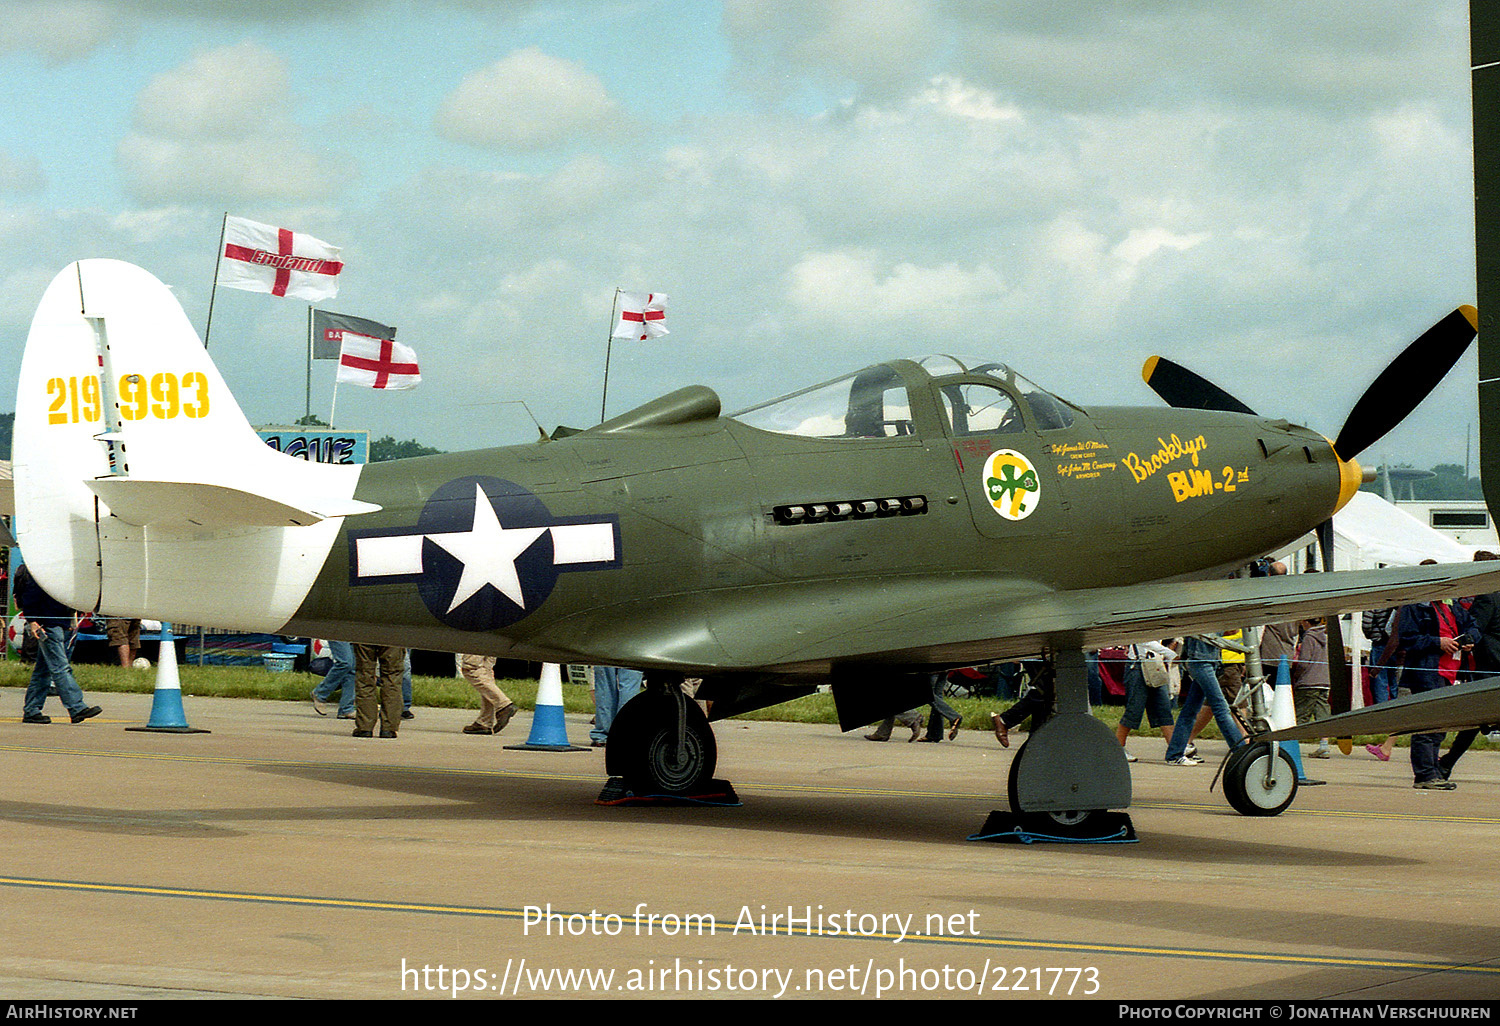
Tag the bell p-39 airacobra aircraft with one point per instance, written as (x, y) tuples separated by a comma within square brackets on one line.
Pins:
[(911, 516), (865, 532)]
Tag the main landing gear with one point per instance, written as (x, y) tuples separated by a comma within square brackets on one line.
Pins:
[(1070, 772), (662, 748)]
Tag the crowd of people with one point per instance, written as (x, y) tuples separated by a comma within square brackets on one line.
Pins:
[(1413, 649), (1423, 647), (369, 684)]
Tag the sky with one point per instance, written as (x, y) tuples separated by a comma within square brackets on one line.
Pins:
[(1277, 195)]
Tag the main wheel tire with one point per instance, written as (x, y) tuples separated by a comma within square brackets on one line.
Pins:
[(1072, 823), (1245, 780), (643, 746)]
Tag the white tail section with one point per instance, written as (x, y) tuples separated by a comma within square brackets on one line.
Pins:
[(141, 489)]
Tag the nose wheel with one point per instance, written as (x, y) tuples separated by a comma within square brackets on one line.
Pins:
[(1258, 781)]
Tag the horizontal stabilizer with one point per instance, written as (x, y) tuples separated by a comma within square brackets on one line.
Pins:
[(1476, 704), (196, 504)]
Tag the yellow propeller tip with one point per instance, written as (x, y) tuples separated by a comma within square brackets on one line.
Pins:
[(1149, 368), (1471, 315)]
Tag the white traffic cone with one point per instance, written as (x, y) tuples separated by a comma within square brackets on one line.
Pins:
[(1284, 714), (166, 701), (549, 729)]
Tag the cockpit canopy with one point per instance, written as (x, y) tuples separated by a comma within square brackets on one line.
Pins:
[(978, 397)]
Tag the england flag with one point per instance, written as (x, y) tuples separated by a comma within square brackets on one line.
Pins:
[(259, 258), (641, 315), (377, 363)]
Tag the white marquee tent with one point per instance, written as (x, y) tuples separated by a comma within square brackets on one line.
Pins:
[(1371, 532)]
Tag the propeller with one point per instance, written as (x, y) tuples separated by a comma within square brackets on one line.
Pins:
[(1187, 390), (1406, 381), (1395, 393), (1399, 389)]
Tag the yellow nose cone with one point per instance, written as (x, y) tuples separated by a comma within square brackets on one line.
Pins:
[(1351, 476)]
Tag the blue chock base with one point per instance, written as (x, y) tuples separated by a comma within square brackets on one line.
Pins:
[(1034, 827), (714, 793), (529, 747)]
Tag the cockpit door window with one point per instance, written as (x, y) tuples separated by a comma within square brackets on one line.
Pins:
[(975, 409)]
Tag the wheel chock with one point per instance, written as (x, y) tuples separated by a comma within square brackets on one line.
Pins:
[(1034, 827), (715, 792)]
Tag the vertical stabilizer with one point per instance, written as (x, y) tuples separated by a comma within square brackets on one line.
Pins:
[(141, 488)]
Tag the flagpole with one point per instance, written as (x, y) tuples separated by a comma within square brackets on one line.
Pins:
[(333, 403), (609, 346), (307, 412), (213, 291)]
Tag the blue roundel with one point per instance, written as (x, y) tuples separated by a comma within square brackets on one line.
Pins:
[(452, 512), (484, 552)]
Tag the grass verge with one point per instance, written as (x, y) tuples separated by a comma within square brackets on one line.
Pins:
[(455, 693)]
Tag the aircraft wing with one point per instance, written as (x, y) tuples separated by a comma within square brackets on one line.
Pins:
[(962, 619), (1475, 704)]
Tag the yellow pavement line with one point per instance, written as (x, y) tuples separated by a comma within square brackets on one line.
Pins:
[(995, 943), (269, 899)]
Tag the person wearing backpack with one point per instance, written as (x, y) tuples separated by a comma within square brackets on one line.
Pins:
[(1379, 628)]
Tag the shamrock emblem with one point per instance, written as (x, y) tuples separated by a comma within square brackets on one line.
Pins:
[(1012, 484)]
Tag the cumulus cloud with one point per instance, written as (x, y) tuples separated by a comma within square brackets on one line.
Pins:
[(1112, 52), (216, 94), (878, 46), (852, 287), (1144, 243), (1068, 187), (58, 31), (527, 100), (218, 127)]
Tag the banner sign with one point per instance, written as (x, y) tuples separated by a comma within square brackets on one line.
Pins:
[(319, 446)]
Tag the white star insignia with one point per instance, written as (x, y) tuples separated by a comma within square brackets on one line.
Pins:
[(488, 552)]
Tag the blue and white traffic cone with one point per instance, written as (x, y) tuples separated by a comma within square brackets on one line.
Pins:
[(167, 716), (549, 729), (1284, 714)]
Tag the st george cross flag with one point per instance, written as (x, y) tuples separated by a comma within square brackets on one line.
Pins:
[(377, 363), (641, 315), (329, 328), (260, 258)]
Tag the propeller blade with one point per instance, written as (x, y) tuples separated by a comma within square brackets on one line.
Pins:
[(1409, 378), (1186, 390), (1339, 697)]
